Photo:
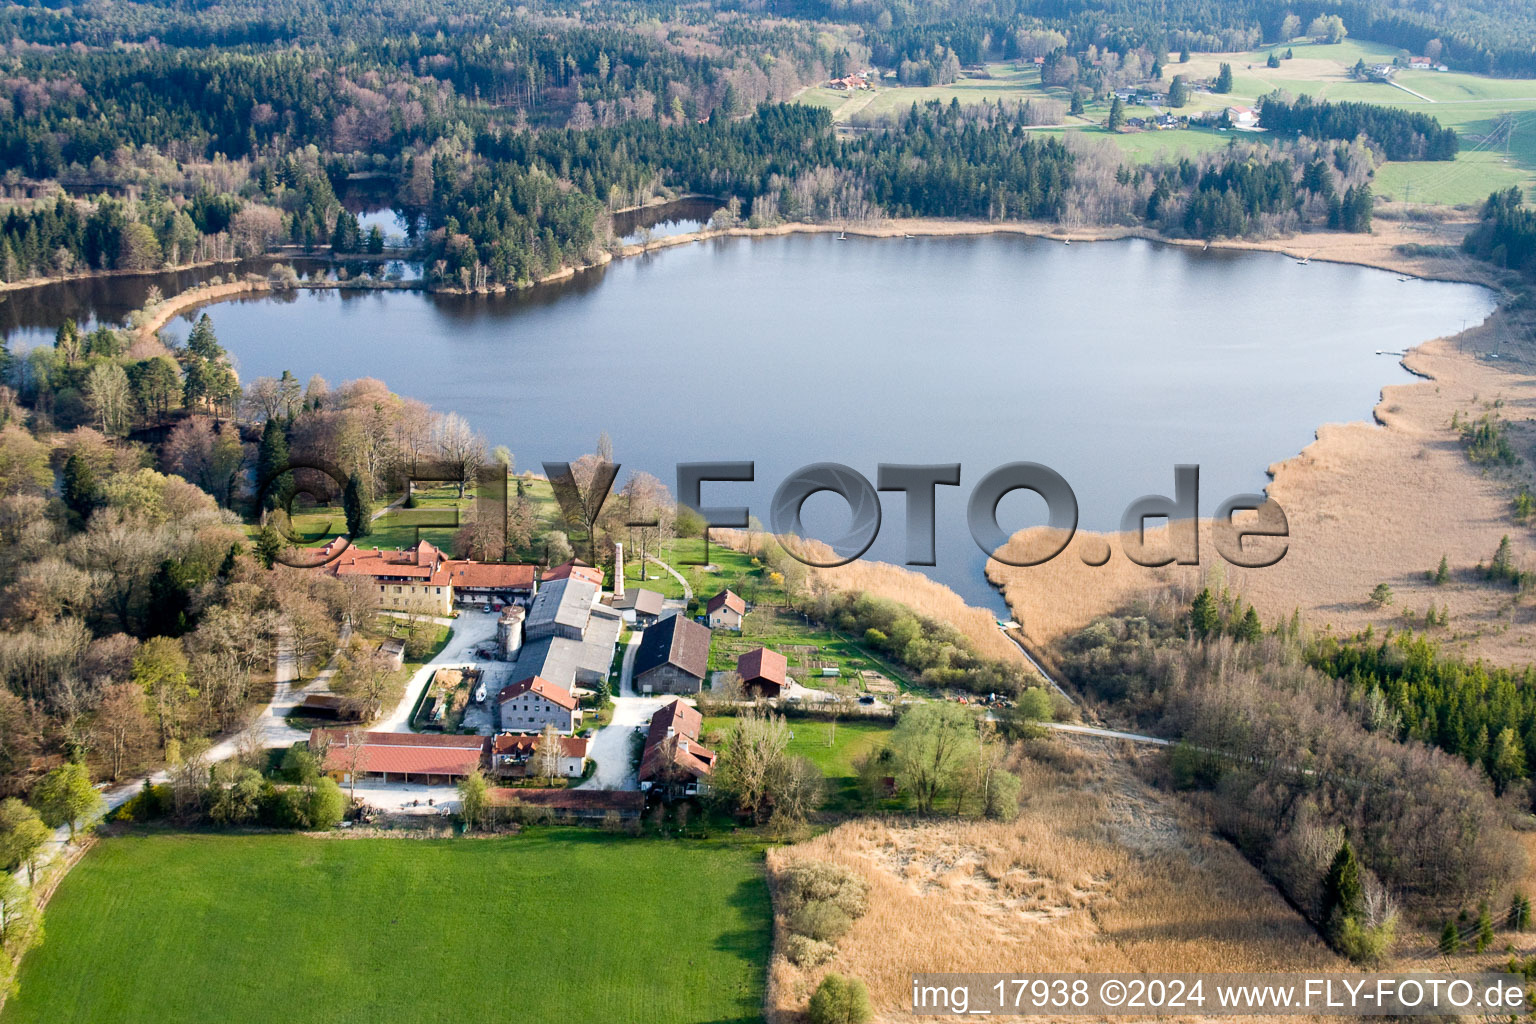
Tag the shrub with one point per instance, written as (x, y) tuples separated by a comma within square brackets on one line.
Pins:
[(820, 920), (818, 881), (840, 1000), (807, 952), (327, 804), (299, 765), (1363, 944)]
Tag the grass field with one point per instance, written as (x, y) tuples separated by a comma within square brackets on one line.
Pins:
[(831, 746), (784, 631), (566, 925), (1476, 106)]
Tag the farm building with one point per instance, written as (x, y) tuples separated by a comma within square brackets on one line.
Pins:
[(640, 606), (530, 704), (763, 672), (399, 756), (673, 657), (674, 763), (570, 804)]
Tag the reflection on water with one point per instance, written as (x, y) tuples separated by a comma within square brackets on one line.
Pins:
[(680, 217), (1109, 362)]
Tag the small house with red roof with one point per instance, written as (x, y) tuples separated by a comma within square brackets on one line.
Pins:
[(725, 610), (763, 672), (512, 755), (574, 569)]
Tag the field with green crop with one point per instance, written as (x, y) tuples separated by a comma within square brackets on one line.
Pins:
[(553, 925)]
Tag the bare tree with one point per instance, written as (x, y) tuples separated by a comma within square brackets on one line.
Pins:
[(120, 730), (546, 755), (649, 513), (262, 398), (460, 448)]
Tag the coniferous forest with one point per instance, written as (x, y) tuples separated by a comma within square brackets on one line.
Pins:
[(514, 136)]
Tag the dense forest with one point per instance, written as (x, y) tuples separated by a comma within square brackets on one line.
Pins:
[(1291, 760), (1506, 235), (1402, 135), (1492, 36), (513, 136)]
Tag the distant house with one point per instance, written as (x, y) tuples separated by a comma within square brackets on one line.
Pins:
[(762, 672), (725, 610), (673, 762), (1420, 63), (530, 704), (673, 657), (512, 755), (574, 569), (1039, 62), (640, 606), (399, 756), (1243, 117)]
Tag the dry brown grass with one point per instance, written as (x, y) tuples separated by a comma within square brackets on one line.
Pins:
[(1367, 504), (1100, 873)]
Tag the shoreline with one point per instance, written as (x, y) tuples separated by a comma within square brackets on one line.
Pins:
[(1435, 364)]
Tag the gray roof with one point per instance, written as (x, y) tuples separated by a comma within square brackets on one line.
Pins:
[(559, 658), (645, 602), (565, 603), (674, 640)]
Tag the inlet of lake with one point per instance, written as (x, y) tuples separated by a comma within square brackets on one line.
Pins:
[(1108, 362)]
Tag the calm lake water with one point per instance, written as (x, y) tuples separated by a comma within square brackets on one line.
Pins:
[(1108, 362)]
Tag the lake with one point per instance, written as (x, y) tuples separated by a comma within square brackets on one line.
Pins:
[(1109, 362)]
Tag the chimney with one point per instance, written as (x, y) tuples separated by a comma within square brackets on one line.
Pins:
[(618, 569), (682, 744), (671, 732)]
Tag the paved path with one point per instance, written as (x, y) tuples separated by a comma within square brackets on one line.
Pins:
[(470, 630), (1399, 85), (687, 589), (610, 749), (1107, 734)]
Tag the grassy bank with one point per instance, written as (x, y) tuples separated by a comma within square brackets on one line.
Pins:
[(563, 925)]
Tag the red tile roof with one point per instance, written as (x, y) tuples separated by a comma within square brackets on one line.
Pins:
[(728, 599), (524, 744), (423, 563), (402, 752), (678, 717), (427, 564), (541, 686), (490, 574), (580, 570), (762, 664), (676, 754)]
